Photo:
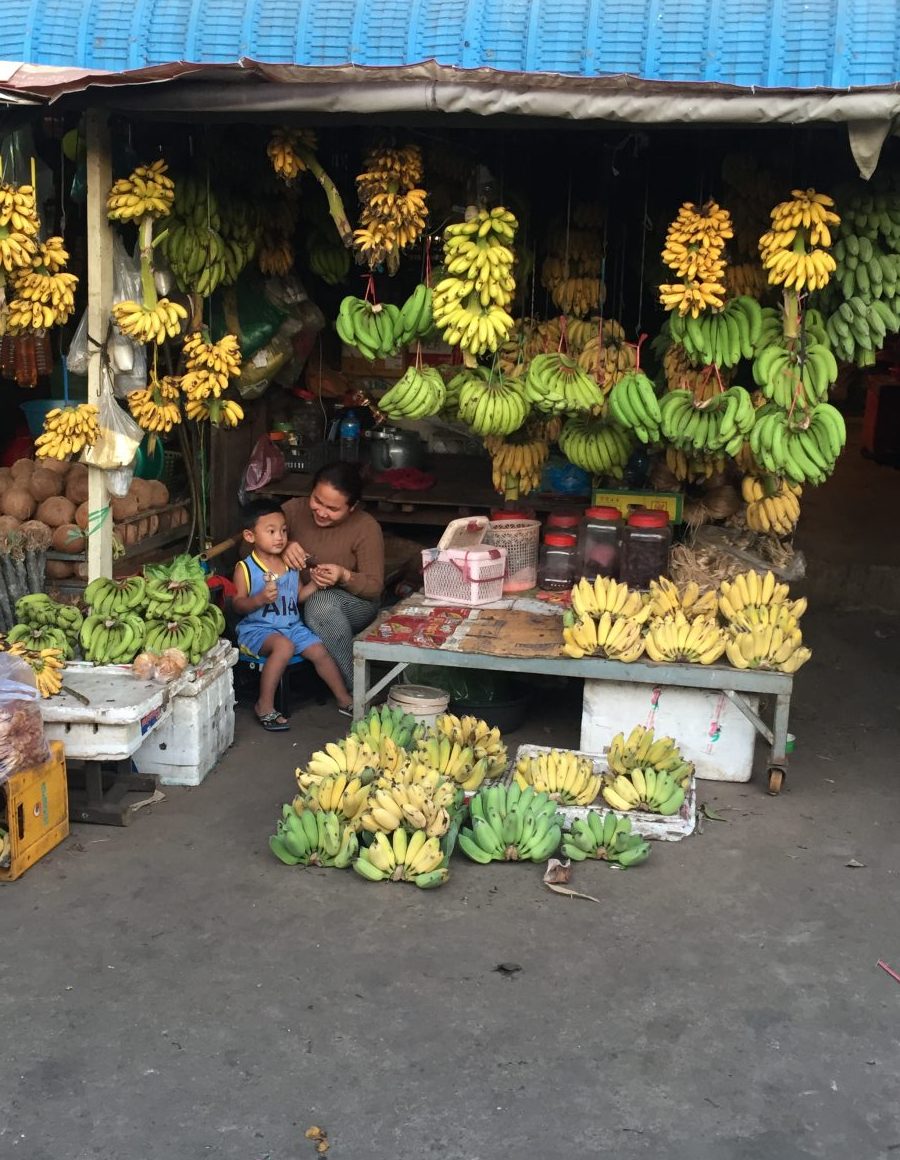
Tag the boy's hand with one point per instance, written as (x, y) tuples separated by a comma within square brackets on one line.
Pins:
[(270, 591), (294, 556)]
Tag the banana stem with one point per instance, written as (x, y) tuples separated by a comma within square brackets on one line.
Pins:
[(791, 314), (335, 203), (145, 239), (511, 487)]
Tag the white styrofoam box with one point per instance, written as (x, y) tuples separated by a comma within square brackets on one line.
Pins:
[(121, 712), (198, 731), (709, 729), (650, 826)]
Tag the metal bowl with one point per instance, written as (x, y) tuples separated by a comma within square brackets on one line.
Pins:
[(390, 447)]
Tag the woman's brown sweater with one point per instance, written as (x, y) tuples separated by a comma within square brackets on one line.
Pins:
[(357, 544)]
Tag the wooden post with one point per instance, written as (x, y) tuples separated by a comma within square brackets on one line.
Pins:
[(100, 274)]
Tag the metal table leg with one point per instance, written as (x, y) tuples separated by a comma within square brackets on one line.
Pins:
[(360, 686), (778, 757)]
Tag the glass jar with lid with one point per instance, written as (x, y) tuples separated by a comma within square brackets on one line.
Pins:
[(558, 563), (599, 538), (563, 522), (646, 539)]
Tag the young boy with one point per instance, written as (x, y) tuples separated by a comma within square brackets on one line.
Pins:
[(269, 595)]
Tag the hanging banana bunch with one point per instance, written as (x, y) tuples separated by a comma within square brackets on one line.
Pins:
[(393, 212)]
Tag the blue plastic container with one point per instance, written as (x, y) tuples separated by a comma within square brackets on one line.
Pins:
[(35, 411)]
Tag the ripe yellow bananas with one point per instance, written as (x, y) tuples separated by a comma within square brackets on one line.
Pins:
[(564, 775), (149, 323), (147, 192), (674, 638), (67, 430)]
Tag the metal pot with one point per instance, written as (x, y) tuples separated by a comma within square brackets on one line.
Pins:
[(390, 447)]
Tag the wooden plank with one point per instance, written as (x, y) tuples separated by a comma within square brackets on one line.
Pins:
[(100, 269)]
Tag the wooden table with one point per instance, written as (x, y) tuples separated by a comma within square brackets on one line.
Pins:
[(523, 636)]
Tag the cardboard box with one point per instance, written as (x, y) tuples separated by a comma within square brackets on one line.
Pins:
[(36, 812), (356, 365), (626, 501), (436, 353)]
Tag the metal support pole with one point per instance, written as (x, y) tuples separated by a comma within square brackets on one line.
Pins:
[(100, 272)]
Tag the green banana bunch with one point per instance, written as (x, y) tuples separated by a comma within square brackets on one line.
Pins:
[(416, 318), (718, 424), (596, 445), (802, 447), (112, 638), (650, 790), (402, 857), (38, 610), (381, 722), (191, 240), (374, 328), (492, 404), (556, 384), (723, 338), (864, 268), (313, 838), (511, 824), (419, 394), (107, 597), (331, 263), (634, 406), (190, 634), (794, 373), (858, 327), (643, 750), (176, 598), (608, 839), (40, 637)]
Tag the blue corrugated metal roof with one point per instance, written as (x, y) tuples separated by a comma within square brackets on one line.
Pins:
[(769, 43)]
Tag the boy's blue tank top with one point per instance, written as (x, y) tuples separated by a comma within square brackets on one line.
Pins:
[(284, 611)]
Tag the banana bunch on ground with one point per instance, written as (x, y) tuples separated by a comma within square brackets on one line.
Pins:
[(723, 338), (750, 599), (342, 795), (803, 447), (452, 760), (615, 637), (68, 430), (693, 250), (596, 445), (517, 467), (486, 742), (331, 263), (404, 858), (794, 250), (720, 424), (193, 634), (693, 468), (113, 638), (157, 408), (107, 597), (147, 192), (492, 404), (745, 279), (350, 756), (382, 722), (418, 394), (675, 639), (634, 406), (43, 296), (648, 790), (511, 824), (285, 148), (391, 760), (556, 383), (858, 327), (608, 839), (38, 610), (147, 323), (773, 506), (314, 838), (666, 598), (393, 212), (39, 637), (19, 227), (470, 304), (643, 750), (47, 664), (767, 647), (419, 805), (192, 242), (567, 777)]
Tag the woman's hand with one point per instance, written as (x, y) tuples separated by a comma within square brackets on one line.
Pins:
[(329, 575), (294, 556)]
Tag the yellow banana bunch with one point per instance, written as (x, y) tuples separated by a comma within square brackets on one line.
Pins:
[(693, 468), (486, 741), (773, 507), (147, 192), (222, 357), (693, 249), (574, 295), (341, 794), (156, 408), (393, 211), (650, 790), (567, 777), (608, 357), (406, 806), (608, 595), (67, 430), (52, 255), (794, 250), (617, 638), (47, 665), (349, 756), (403, 858), (19, 227), (667, 598), (516, 467), (643, 750), (223, 412), (283, 151), (674, 638), (149, 323), (749, 590), (275, 257), (745, 278), (580, 332), (766, 647)]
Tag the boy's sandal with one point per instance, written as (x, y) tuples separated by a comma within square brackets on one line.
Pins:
[(273, 722)]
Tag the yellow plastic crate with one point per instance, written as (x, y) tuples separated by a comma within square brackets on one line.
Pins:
[(35, 811), (670, 502)]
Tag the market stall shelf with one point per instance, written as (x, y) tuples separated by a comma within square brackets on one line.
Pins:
[(523, 636)]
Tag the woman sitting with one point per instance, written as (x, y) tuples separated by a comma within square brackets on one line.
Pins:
[(343, 548)]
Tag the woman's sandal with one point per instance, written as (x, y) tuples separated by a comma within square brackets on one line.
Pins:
[(273, 722)]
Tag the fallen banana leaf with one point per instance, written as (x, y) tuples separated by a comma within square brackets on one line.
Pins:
[(556, 874)]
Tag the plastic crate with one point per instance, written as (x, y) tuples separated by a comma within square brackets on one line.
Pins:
[(459, 570), (521, 539), (36, 812)]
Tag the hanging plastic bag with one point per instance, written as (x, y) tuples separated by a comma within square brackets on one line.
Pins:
[(119, 480), (120, 437), (129, 358), (266, 465), (78, 357), (22, 740)]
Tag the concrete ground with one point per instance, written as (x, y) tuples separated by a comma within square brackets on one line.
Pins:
[(171, 992)]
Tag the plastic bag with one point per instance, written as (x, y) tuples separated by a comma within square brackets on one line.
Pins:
[(22, 740), (120, 437), (119, 480), (258, 372), (244, 310), (266, 465)]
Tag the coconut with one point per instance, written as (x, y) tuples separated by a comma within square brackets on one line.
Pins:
[(82, 515), (159, 493), (18, 502), (57, 511), (142, 492), (58, 570), (67, 538), (125, 508), (77, 485), (21, 470), (44, 484), (9, 524), (57, 466)]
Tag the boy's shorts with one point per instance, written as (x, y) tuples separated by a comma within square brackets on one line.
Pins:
[(251, 637)]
